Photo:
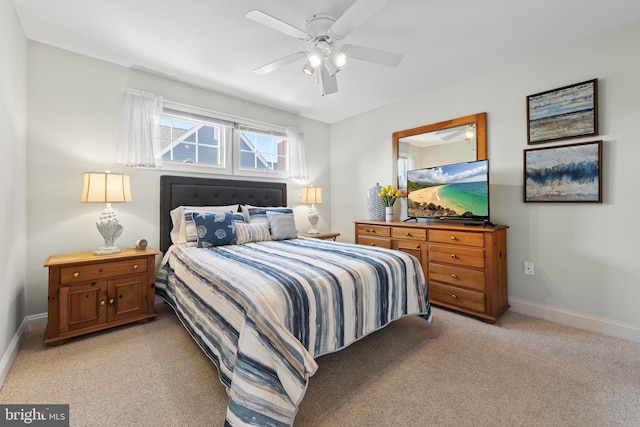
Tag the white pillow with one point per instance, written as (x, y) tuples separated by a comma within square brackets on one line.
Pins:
[(179, 228), (282, 225), (248, 233)]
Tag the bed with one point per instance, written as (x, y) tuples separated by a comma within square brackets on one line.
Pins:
[(264, 310)]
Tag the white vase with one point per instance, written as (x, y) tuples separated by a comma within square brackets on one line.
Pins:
[(388, 213), (375, 207)]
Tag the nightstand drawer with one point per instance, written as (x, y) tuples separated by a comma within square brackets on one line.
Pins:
[(83, 273)]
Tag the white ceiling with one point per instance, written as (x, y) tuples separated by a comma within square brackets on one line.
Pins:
[(209, 43)]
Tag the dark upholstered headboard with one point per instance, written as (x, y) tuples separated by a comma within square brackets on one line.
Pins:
[(189, 191)]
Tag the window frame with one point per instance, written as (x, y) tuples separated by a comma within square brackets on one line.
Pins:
[(231, 127)]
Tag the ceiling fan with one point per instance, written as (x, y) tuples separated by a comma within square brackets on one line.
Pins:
[(324, 57)]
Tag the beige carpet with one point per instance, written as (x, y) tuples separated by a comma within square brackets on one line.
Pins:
[(457, 371)]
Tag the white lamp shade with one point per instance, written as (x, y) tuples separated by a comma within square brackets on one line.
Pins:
[(106, 188), (311, 195)]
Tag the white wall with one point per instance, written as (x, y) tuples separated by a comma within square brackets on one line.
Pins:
[(13, 173), (585, 255), (74, 107)]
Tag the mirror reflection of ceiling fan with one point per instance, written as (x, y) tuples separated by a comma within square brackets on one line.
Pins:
[(325, 57)]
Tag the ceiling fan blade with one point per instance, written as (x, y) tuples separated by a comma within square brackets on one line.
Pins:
[(453, 135), (329, 83), (358, 13), (276, 24), (376, 56), (265, 69)]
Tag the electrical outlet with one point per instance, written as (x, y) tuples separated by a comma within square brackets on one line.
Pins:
[(528, 268)]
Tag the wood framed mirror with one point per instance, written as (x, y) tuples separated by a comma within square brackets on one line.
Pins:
[(453, 141)]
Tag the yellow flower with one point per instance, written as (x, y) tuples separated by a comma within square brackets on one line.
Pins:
[(388, 195)]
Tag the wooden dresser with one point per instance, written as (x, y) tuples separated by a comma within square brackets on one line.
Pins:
[(88, 292), (465, 266)]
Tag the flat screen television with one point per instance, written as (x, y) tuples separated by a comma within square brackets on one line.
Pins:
[(458, 191)]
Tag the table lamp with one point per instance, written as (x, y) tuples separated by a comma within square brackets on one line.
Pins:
[(107, 188), (312, 195)]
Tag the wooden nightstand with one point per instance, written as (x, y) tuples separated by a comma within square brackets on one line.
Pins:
[(88, 292), (323, 236)]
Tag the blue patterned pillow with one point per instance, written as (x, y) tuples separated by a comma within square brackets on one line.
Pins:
[(282, 225), (214, 228)]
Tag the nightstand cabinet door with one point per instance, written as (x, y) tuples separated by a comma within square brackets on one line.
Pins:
[(82, 306), (127, 297)]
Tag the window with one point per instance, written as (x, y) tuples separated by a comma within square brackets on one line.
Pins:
[(261, 151), (195, 139)]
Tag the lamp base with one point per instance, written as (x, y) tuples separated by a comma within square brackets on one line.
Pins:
[(107, 250), (313, 231)]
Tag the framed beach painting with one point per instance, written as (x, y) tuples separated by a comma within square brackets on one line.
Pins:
[(565, 173), (566, 112)]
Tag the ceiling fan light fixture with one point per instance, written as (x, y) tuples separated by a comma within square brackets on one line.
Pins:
[(315, 57), (331, 67), (340, 58), (308, 69)]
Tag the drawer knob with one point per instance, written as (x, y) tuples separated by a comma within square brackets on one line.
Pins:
[(135, 266), (76, 274), (372, 244), (453, 296), (371, 230), (407, 234), (112, 301), (453, 237), (454, 276), (453, 255), (103, 302)]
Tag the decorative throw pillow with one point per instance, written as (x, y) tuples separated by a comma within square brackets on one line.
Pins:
[(247, 232), (282, 225), (259, 214), (182, 219), (214, 228)]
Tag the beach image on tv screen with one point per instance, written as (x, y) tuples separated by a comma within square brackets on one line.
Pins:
[(460, 190)]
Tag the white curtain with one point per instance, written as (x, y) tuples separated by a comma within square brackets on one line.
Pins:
[(139, 143), (297, 154)]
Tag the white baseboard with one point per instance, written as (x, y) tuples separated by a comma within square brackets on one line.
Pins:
[(577, 320), (37, 320)]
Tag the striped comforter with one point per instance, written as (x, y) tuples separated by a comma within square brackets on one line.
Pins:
[(263, 311)]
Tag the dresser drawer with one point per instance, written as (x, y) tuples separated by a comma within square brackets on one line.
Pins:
[(457, 297), (374, 241), (374, 230), (455, 237), (82, 273), (457, 276), (456, 255), (408, 233)]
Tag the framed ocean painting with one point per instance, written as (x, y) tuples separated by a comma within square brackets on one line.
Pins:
[(565, 173), (562, 113)]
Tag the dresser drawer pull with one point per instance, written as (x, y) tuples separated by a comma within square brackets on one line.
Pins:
[(453, 237), (76, 274), (135, 266), (112, 301), (453, 296), (407, 234), (372, 244), (454, 276), (371, 230), (453, 255), (103, 302)]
